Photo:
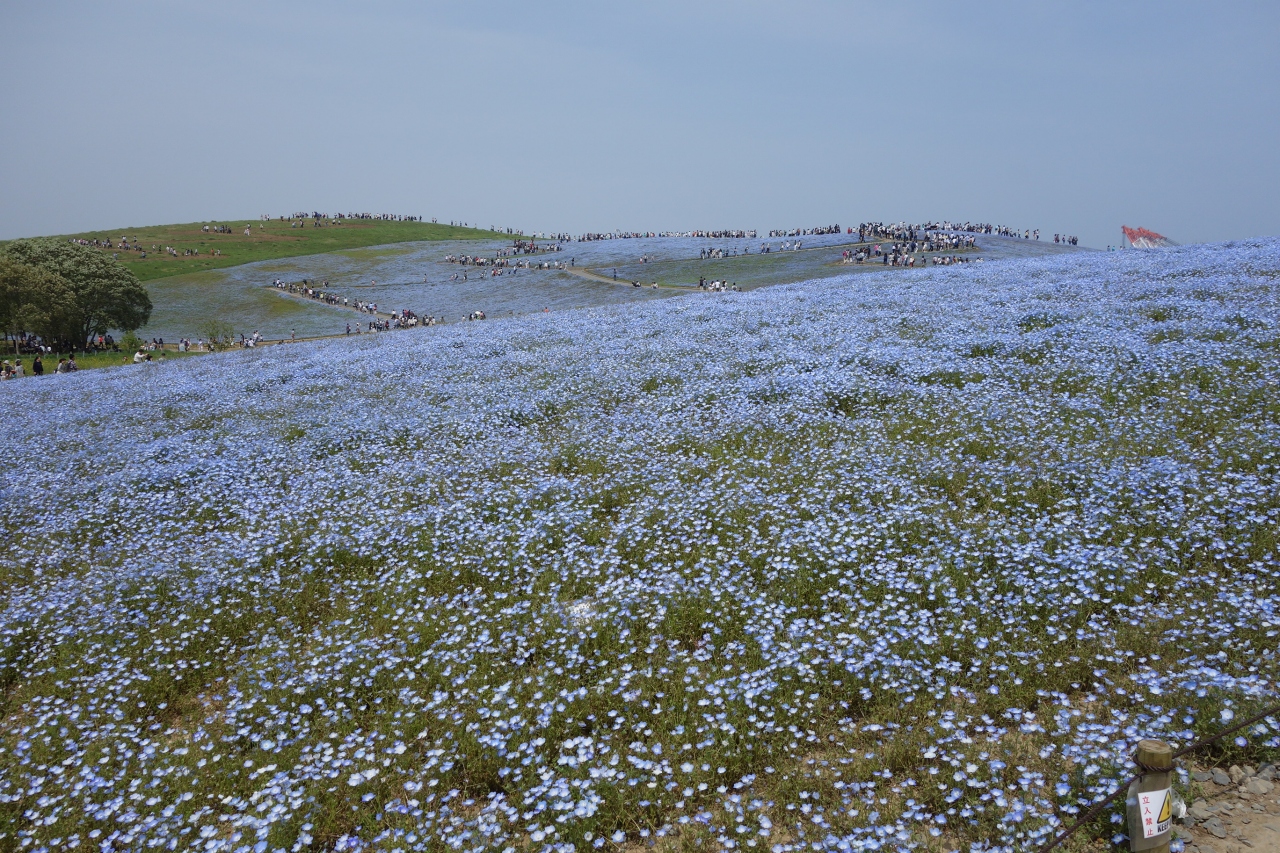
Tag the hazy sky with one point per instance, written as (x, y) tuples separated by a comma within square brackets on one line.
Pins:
[(1073, 117)]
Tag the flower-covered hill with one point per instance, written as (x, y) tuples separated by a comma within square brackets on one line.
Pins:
[(895, 561)]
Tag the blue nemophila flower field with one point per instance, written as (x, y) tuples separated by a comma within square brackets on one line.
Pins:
[(899, 561)]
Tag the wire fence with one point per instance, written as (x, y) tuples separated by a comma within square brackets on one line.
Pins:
[(1097, 807)]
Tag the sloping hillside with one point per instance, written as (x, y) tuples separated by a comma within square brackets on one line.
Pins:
[(146, 250), (899, 560)]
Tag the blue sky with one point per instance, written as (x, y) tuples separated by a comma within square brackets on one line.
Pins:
[(1070, 117)]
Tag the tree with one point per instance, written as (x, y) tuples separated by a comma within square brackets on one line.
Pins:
[(107, 295), (130, 342), (220, 333), (35, 301)]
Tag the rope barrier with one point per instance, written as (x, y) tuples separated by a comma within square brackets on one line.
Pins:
[(1099, 806)]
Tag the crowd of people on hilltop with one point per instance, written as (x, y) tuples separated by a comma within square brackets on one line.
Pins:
[(592, 236), (498, 230), (941, 242), (631, 235), (805, 232), (871, 230), (739, 234), (338, 217), (881, 231), (98, 244), (125, 244), (903, 231), (131, 244), (529, 247), (982, 228), (914, 248), (733, 251)]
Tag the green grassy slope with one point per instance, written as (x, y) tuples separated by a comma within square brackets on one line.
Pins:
[(268, 240)]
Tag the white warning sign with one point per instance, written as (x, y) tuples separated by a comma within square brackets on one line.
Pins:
[(1156, 809)]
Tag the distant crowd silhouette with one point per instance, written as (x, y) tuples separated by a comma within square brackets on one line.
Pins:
[(632, 235), (805, 232), (315, 214)]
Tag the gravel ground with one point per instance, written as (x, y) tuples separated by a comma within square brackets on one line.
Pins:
[(1238, 809)]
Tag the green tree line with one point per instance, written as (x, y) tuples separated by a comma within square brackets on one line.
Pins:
[(67, 293)]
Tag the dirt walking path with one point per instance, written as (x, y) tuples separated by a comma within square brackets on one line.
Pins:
[(1236, 810), (305, 298), (592, 275)]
